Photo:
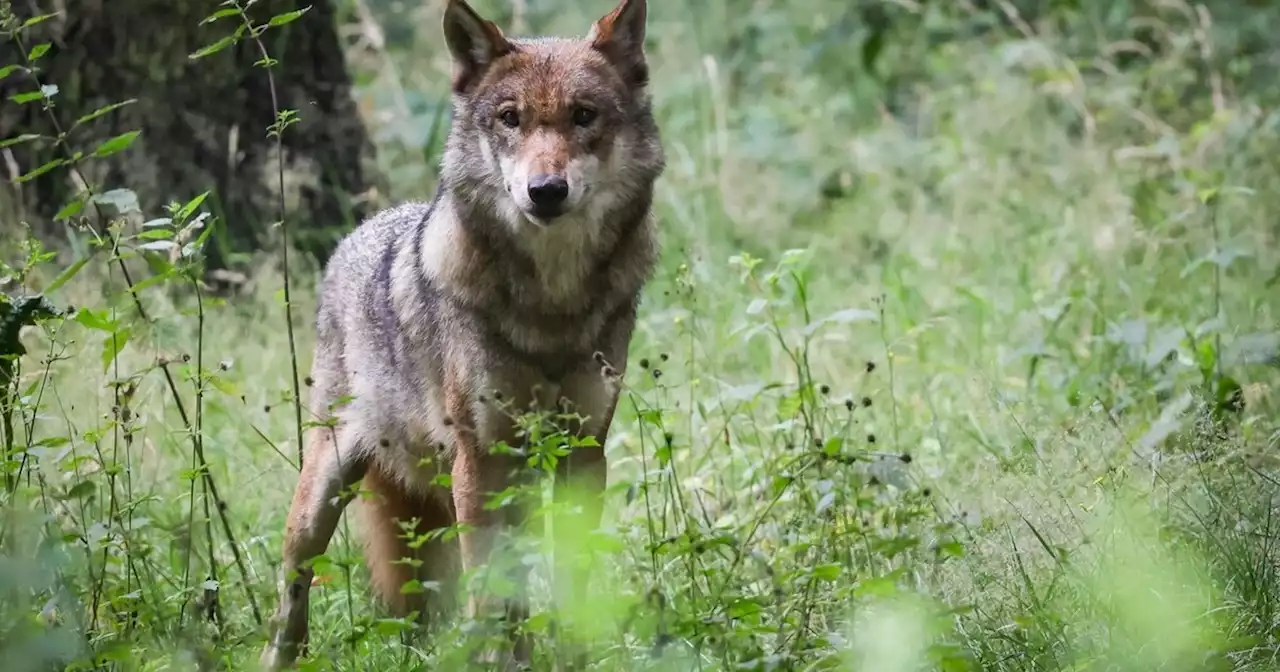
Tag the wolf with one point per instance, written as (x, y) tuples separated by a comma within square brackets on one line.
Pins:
[(516, 286)]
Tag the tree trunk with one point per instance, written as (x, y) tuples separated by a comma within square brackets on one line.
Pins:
[(203, 122)]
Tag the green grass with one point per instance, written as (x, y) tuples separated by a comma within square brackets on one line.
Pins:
[(946, 353)]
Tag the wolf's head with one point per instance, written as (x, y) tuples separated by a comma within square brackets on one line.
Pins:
[(551, 130)]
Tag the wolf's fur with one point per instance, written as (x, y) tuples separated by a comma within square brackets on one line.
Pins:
[(432, 312)]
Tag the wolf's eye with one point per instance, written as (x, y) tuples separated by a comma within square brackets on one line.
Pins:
[(510, 118), (583, 116)]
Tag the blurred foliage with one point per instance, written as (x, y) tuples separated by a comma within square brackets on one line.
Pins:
[(199, 121), (962, 354)]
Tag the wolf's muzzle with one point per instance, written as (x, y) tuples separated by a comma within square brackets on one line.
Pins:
[(548, 192)]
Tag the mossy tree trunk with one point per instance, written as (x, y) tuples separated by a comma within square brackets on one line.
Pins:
[(203, 122)]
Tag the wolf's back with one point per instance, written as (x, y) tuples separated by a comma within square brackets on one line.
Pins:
[(355, 317), (360, 255)]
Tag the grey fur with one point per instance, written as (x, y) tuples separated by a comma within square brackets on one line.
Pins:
[(430, 312)]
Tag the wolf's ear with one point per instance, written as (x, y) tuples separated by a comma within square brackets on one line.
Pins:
[(473, 42), (620, 37)]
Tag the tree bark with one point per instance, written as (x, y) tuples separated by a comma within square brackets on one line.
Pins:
[(203, 122)]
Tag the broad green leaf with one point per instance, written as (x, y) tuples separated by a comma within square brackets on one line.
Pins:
[(71, 209), (38, 51), (213, 48), (287, 17), (81, 489), (225, 386), (28, 97), (828, 572), (116, 144), (95, 319)]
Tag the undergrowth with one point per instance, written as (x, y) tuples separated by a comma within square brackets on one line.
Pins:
[(979, 378)]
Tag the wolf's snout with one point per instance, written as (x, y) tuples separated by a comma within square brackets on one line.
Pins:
[(548, 193)]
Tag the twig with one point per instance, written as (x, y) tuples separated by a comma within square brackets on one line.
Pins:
[(277, 129)]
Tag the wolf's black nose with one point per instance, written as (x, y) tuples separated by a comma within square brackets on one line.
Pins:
[(548, 191)]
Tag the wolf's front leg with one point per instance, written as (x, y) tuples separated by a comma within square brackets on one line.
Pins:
[(330, 468), (478, 422), (578, 497)]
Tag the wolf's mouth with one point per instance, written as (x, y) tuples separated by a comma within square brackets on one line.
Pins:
[(535, 220), (547, 213)]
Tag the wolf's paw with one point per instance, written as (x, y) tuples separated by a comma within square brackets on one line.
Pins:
[(277, 656), (502, 659)]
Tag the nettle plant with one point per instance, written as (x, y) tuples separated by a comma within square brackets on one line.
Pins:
[(87, 555), (766, 577)]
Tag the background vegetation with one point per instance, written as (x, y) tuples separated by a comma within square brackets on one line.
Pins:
[(962, 355)]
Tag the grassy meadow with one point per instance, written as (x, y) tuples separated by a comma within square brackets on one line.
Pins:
[(962, 355)]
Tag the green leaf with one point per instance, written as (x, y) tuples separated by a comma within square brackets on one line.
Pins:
[(113, 345), (66, 275), (287, 17), (652, 416), (386, 627), (19, 139), (743, 607), (116, 144), (951, 549), (155, 234), (95, 319), (872, 48), (33, 174), (41, 18), (105, 109), (28, 97), (199, 242), (213, 48), (829, 572), (153, 280), (225, 386), (185, 211), (9, 70), (81, 489), (71, 209), (38, 51), (220, 14), (880, 586), (1229, 396)]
